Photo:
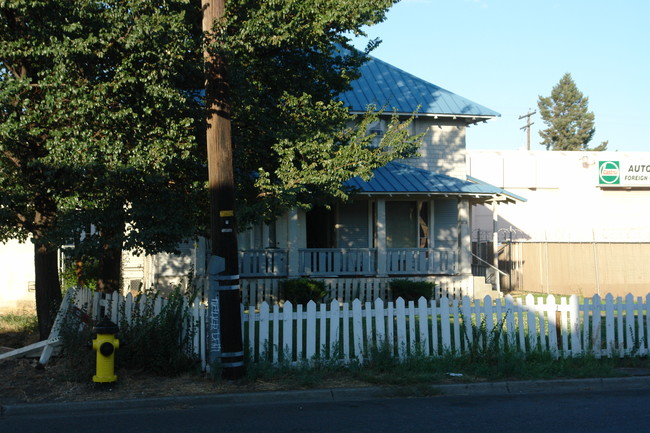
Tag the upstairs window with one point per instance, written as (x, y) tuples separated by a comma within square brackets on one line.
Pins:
[(378, 129)]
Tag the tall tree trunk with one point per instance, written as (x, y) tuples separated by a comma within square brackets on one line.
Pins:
[(110, 270), (78, 271), (110, 259), (48, 286)]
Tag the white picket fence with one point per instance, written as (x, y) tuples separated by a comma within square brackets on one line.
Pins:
[(342, 332)]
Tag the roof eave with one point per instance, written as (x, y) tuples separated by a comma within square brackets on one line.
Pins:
[(470, 195), (468, 118)]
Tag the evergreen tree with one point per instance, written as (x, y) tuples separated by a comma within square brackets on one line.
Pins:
[(570, 124)]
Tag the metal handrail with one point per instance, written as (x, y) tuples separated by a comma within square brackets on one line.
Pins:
[(490, 265)]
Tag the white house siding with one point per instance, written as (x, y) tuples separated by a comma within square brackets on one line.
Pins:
[(16, 276), (443, 147)]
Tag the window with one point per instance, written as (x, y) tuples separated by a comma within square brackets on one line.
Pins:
[(378, 128), (401, 224)]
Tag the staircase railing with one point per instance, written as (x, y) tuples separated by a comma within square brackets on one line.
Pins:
[(494, 268)]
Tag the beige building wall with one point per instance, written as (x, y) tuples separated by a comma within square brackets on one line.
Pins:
[(17, 276), (586, 269), (564, 200)]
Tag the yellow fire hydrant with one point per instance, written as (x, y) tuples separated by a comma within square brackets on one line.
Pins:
[(105, 344)]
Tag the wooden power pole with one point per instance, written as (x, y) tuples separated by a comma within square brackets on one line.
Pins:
[(527, 126), (223, 271)]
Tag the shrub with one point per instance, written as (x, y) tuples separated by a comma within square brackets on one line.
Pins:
[(161, 343), (76, 334), (302, 290), (89, 273), (411, 290)]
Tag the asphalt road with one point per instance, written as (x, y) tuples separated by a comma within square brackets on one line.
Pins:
[(593, 412)]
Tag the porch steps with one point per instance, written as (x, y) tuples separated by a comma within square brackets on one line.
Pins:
[(482, 289)]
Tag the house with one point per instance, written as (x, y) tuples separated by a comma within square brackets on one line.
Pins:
[(411, 220), (584, 228)]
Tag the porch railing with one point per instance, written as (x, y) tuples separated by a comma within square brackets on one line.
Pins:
[(326, 262), (337, 261), (271, 262), (421, 261)]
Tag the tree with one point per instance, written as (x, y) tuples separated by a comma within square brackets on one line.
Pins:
[(294, 142), (102, 124), (98, 121), (566, 113)]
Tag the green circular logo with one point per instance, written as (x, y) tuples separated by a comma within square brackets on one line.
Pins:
[(609, 172)]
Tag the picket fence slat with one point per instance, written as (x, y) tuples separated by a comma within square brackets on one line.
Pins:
[(299, 332), (322, 334), (629, 322), (287, 332), (334, 345), (574, 327), (411, 316), (423, 314), (400, 313), (445, 324), (276, 333)]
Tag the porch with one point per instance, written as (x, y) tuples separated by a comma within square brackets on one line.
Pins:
[(339, 262)]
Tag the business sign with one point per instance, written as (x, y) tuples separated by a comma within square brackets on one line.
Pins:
[(624, 173)]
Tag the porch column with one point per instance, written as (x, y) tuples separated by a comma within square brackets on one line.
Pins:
[(381, 237), (464, 238), (495, 247), (264, 242), (292, 243), (432, 223)]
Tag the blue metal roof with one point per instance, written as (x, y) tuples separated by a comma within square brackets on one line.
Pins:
[(384, 85), (396, 177), (515, 197)]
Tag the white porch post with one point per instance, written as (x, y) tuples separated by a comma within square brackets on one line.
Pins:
[(464, 239), (432, 222), (495, 247), (292, 243), (381, 237), (264, 242)]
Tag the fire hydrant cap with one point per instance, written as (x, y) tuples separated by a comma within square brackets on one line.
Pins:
[(105, 326)]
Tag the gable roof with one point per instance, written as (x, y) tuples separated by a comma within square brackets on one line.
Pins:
[(384, 85), (400, 178)]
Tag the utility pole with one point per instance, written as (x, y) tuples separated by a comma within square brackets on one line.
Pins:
[(223, 271), (527, 126)]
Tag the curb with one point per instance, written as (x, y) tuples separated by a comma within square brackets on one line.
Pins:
[(336, 394)]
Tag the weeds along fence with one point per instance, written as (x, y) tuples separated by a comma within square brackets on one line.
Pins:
[(343, 332)]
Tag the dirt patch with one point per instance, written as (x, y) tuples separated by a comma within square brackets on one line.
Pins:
[(22, 382)]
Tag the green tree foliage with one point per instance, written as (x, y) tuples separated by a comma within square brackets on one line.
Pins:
[(102, 124), (570, 124), (294, 141), (98, 129)]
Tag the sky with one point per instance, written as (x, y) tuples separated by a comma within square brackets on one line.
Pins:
[(504, 54)]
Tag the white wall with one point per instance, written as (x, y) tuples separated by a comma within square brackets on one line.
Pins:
[(564, 200), (16, 276), (443, 147)]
